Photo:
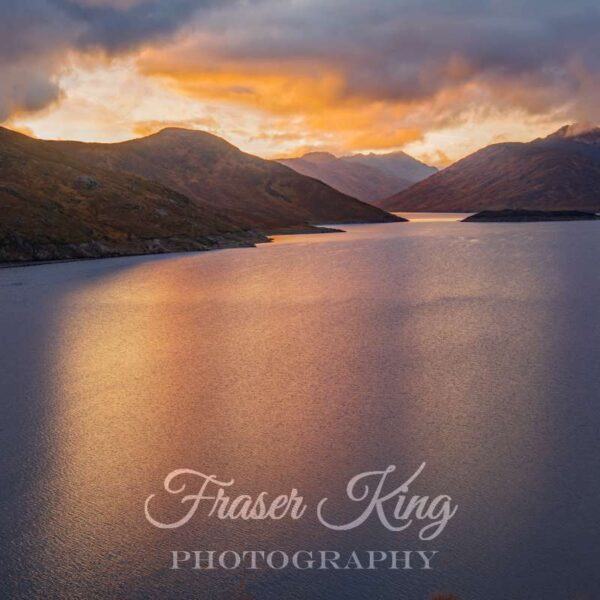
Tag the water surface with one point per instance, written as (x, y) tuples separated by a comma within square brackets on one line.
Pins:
[(473, 347)]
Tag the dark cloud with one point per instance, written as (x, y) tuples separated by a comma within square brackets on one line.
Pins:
[(115, 28), (409, 50), (36, 36), (534, 54), (31, 42)]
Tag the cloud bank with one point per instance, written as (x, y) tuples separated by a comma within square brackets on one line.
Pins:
[(374, 74), (38, 38)]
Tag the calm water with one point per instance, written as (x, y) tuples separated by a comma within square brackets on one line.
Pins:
[(473, 347)]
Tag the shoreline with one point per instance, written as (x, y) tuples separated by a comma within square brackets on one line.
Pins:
[(530, 216), (96, 250), (223, 243)]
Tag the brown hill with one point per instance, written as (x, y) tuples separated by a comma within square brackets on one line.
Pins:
[(174, 191), (254, 192), (361, 181), (560, 172), (55, 206)]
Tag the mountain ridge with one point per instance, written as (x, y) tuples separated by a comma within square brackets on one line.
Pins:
[(368, 177), (64, 200), (557, 172), (254, 192), (398, 163)]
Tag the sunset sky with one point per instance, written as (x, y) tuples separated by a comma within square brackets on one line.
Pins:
[(438, 79)]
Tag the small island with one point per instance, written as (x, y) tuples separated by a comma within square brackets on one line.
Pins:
[(523, 216)]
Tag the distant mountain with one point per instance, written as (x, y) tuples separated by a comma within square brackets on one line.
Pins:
[(359, 180), (174, 191), (397, 164), (559, 172)]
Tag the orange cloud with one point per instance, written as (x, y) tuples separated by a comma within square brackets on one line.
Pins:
[(260, 86), (300, 99), (21, 129), (342, 76), (381, 139), (437, 158)]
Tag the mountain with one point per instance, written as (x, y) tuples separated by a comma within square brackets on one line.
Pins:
[(174, 191), (397, 164), (255, 193), (353, 178), (55, 206), (559, 172), (368, 177)]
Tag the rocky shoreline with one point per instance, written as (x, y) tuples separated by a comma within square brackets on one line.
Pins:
[(17, 251)]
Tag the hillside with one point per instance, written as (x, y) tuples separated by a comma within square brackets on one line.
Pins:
[(56, 207), (255, 193), (175, 191), (559, 172)]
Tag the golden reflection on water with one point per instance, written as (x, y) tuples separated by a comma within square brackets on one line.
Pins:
[(296, 366), (153, 373), (117, 374)]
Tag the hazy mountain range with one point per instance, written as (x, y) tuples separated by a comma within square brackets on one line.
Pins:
[(175, 190), (559, 172), (368, 177)]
